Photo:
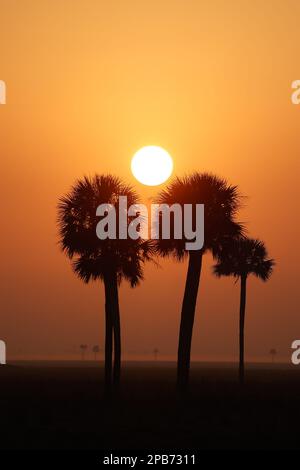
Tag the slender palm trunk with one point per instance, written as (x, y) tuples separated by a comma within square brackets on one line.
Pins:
[(242, 327), (108, 334), (116, 332), (187, 318)]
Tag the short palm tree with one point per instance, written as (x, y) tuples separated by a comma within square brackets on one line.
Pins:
[(155, 353), (273, 353), (96, 351), (109, 260), (240, 258), (221, 202)]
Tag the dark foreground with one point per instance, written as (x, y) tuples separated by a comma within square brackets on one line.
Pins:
[(51, 406)]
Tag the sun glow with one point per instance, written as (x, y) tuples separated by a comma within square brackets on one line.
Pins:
[(151, 165)]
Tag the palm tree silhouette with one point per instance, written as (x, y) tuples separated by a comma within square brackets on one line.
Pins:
[(96, 350), (221, 202), (109, 260), (240, 258), (155, 353), (273, 353), (83, 348)]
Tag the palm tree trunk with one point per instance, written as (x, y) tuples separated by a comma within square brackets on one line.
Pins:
[(117, 333), (242, 327), (108, 334), (187, 318)]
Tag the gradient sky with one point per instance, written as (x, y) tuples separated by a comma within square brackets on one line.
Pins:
[(90, 82)]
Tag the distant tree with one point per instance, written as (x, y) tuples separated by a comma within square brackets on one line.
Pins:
[(240, 258), (273, 353), (221, 202), (96, 350), (83, 348), (155, 352)]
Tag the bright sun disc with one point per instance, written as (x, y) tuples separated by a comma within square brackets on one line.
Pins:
[(151, 165)]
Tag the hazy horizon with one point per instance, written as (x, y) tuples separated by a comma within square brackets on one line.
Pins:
[(88, 84)]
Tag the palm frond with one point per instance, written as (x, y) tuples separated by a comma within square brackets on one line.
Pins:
[(221, 203), (242, 257)]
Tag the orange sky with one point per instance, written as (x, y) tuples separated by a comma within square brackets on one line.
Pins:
[(88, 83)]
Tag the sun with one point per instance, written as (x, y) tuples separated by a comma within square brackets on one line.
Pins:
[(151, 165)]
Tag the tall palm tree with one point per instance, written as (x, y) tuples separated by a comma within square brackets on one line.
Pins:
[(240, 258), (109, 260), (221, 202)]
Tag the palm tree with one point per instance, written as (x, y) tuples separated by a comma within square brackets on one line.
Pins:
[(240, 258), (221, 202), (109, 260), (273, 353), (83, 348), (96, 350), (155, 353)]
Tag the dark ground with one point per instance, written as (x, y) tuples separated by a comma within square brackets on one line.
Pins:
[(61, 406)]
